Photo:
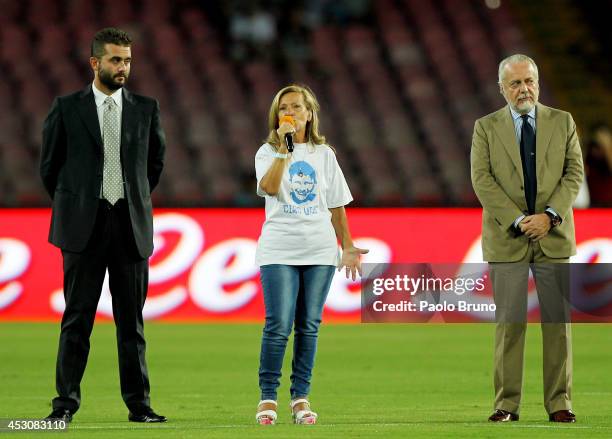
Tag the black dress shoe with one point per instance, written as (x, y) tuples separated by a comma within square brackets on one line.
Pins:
[(562, 416), (60, 414), (146, 416), (503, 416)]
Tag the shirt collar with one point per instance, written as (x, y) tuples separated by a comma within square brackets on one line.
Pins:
[(101, 97), (515, 115)]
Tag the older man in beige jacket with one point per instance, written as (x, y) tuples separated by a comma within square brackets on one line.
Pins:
[(526, 171)]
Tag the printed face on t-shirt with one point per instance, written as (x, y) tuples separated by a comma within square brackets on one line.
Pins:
[(303, 180), (302, 185)]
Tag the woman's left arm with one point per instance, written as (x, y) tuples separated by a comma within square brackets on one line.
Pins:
[(350, 253)]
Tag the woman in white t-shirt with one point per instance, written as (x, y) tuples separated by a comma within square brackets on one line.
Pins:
[(305, 194)]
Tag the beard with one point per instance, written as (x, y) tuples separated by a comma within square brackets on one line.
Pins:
[(108, 79), (526, 105)]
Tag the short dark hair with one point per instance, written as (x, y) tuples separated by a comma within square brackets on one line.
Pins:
[(108, 35)]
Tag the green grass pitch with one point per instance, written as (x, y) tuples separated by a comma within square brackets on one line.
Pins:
[(370, 380)]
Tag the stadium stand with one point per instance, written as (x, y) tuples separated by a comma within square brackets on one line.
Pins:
[(401, 83)]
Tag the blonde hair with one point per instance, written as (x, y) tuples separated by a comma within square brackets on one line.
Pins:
[(312, 127)]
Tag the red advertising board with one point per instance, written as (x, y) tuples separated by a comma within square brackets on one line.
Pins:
[(203, 266)]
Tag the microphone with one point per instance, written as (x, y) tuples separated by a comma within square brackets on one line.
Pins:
[(289, 142), (288, 136)]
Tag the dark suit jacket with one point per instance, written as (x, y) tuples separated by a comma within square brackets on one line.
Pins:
[(72, 161)]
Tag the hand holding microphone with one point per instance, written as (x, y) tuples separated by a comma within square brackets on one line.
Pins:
[(286, 130)]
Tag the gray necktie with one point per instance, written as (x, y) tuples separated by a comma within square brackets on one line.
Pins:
[(112, 182)]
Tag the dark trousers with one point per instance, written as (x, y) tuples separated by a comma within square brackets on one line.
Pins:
[(111, 247)]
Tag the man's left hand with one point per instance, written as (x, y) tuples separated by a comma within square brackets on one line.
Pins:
[(535, 227)]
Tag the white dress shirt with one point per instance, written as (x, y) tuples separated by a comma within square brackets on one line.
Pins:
[(100, 98)]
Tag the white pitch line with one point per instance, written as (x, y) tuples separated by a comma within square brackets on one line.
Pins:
[(373, 424), (552, 425)]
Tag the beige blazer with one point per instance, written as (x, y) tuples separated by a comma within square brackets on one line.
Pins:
[(497, 177)]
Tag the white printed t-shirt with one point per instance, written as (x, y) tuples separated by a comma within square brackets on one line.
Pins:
[(298, 228)]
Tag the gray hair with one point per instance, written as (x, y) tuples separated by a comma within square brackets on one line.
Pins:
[(513, 59)]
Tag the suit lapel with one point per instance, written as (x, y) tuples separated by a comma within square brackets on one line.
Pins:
[(544, 129), (507, 134), (89, 114), (129, 118)]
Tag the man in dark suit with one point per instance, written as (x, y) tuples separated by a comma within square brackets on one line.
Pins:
[(102, 155)]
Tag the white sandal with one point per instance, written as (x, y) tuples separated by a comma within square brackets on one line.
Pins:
[(266, 417), (303, 416)]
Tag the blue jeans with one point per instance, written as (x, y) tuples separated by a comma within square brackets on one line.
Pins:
[(292, 293)]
